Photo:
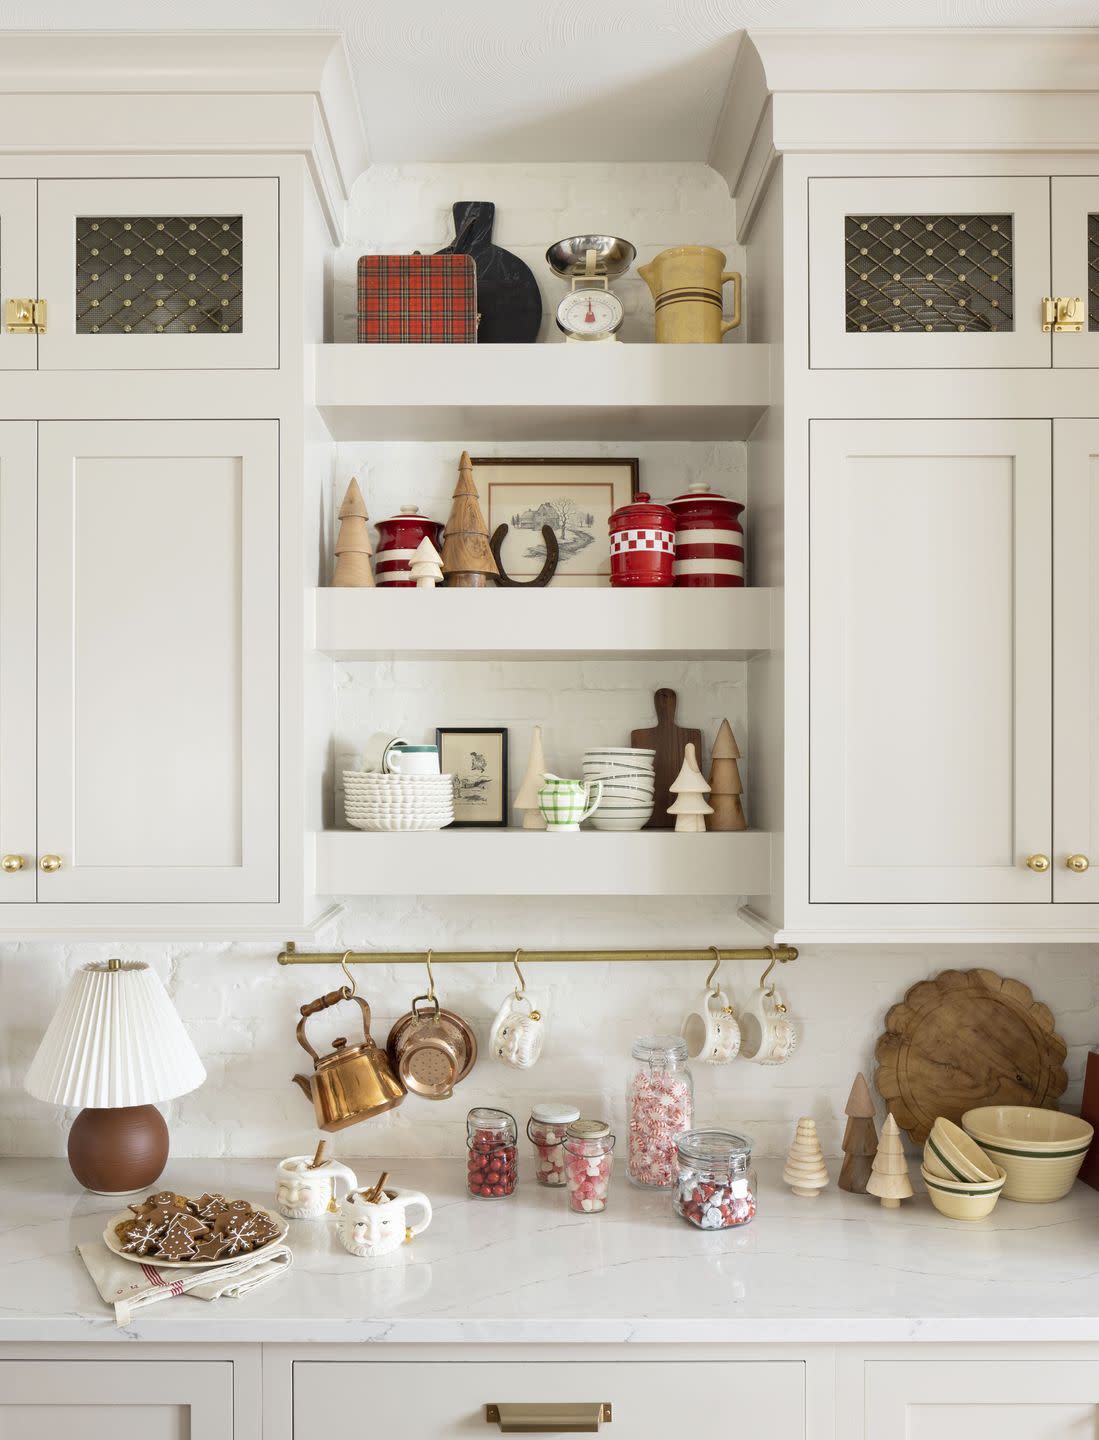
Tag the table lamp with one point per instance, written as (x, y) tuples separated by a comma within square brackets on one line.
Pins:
[(115, 1046)]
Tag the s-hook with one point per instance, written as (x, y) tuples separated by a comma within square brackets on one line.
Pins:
[(770, 991), (714, 968), (522, 987), (430, 978), (349, 991)]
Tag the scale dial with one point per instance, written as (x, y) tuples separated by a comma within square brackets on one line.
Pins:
[(589, 315)]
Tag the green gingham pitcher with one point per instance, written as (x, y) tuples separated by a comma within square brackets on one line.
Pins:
[(565, 803)]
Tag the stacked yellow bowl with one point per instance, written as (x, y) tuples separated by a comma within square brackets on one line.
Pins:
[(962, 1182), (1041, 1150)]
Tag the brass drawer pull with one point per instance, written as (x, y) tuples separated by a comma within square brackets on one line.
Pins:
[(552, 1417), (49, 864)]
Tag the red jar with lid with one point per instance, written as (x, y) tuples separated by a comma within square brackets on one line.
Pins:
[(397, 540), (709, 540), (642, 543)]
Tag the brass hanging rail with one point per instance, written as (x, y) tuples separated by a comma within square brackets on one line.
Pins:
[(291, 955)]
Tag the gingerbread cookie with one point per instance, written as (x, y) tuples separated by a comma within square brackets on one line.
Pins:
[(177, 1241), (141, 1237)]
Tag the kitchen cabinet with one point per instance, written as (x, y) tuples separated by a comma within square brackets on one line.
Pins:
[(18, 268), (956, 1399), (102, 1399), (17, 660), (1074, 232)]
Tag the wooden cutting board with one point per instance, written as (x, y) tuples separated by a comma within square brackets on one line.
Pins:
[(967, 1038), (669, 740)]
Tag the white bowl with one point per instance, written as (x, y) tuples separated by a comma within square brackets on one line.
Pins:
[(604, 822), (395, 826), (621, 750)]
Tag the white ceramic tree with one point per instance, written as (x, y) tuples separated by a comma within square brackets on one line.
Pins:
[(427, 565), (690, 790), (527, 799)]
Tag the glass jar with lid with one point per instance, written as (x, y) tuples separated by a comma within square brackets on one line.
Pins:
[(716, 1187), (589, 1159), (659, 1107), (546, 1132), (491, 1138)]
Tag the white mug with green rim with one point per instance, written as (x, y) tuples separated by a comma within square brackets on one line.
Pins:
[(566, 803), (405, 759)]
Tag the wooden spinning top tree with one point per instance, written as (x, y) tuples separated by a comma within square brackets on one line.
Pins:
[(689, 788), (889, 1173), (725, 783), (860, 1138), (467, 556), (805, 1171), (353, 547)]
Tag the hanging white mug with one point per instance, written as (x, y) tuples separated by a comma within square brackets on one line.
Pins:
[(517, 1036), (305, 1193), (768, 1034), (369, 1229), (711, 1030)]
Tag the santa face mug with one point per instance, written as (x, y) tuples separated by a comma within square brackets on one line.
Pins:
[(303, 1193), (368, 1229), (711, 1030), (518, 1032), (768, 1034)]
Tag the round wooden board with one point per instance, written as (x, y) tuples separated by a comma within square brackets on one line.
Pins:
[(967, 1038)]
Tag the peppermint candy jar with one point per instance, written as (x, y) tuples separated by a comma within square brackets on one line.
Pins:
[(709, 540), (642, 543), (659, 1107), (398, 538)]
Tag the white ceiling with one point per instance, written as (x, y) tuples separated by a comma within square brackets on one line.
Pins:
[(506, 80)]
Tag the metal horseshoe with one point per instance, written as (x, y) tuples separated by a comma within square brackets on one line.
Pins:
[(544, 575)]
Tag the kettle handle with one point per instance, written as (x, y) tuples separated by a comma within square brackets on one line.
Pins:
[(325, 1003)]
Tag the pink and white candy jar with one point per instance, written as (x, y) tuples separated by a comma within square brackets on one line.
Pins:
[(546, 1132), (642, 543), (398, 538), (589, 1160), (709, 540), (659, 1107), (716, 1187)]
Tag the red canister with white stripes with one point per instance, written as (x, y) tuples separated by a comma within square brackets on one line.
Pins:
[(709, 540), (642, 543), (398, 538)]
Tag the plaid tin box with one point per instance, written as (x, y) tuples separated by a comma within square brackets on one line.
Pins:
[(417, 299)]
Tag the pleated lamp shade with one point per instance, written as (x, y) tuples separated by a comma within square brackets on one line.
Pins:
[(115, 1041)]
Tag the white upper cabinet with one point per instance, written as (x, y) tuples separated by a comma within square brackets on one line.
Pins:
[(158, 274), (18, 271), (158, 673), (930, 645), (928, 272), (1075, 230), (17, 521)]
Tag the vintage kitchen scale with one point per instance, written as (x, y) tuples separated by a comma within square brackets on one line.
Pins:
[(590, 311)]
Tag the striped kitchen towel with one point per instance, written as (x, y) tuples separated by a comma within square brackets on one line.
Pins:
[(129, 1285)]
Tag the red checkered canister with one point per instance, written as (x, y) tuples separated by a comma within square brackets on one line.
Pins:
[(398, 538), (642, 543), (709, 541)]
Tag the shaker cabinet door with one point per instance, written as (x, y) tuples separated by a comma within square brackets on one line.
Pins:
[(18, 270), (930, 661), (159, 274), (960, 1399), (103, 1399), (158, 660), (1074, 229), (928, 272), (17, 704)]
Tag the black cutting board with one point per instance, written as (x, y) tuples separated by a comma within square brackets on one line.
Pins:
[(508, 299)]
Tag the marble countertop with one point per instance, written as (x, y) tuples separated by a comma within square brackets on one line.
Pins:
[(834, 1269)]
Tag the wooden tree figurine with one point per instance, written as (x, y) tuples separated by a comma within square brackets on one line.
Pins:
[(725, 784), (689, 788), (427, 566), (860, 1138), (804, 1171), (889, 1173), (353, 547), (527, 799), (467, 556)]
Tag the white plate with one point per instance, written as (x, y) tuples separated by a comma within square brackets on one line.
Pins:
[(114, 1245), (393, 827)]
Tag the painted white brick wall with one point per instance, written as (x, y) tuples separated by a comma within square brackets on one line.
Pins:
[(241, 1009)]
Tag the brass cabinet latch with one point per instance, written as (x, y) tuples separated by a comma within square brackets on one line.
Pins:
[(1062, 312), (25, 317), (551, 1418)]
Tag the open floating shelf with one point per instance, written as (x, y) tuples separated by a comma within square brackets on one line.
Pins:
[(469, 393), (531, 862), (554, 623)]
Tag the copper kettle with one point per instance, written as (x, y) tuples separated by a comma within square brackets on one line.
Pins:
[(354, 1082)]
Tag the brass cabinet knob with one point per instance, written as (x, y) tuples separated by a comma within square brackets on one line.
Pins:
[(1079, 863), (11, 863), (50, 863), (1038, 863)]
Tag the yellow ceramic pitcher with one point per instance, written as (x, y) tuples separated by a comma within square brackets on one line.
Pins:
[(686, 283)]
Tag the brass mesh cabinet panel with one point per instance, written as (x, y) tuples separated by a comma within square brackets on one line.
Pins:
[(1093, 272), (933, 273)]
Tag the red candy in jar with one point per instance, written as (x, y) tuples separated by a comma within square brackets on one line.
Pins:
[(491, 1169), (589, 1159), (546, 1132), (716, 1188), (642, 543), (709, 540), (398, 538)]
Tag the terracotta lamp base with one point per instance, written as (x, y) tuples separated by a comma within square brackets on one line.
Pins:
[(116, 1152)]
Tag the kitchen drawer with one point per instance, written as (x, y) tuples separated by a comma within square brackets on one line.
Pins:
[(431, 1401), (959, 1399), (103, 1399)]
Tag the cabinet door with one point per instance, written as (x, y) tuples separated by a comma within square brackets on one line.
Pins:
[(924, 273), (930, 659), (17, 602), (1074, 231), (158, 274), (18, 269), (158, 660), (1076, 658), (103, 1399), (961, 1399), (437, 1401)]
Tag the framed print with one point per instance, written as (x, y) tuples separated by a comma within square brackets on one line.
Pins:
[(478, 760), (575, 497)]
